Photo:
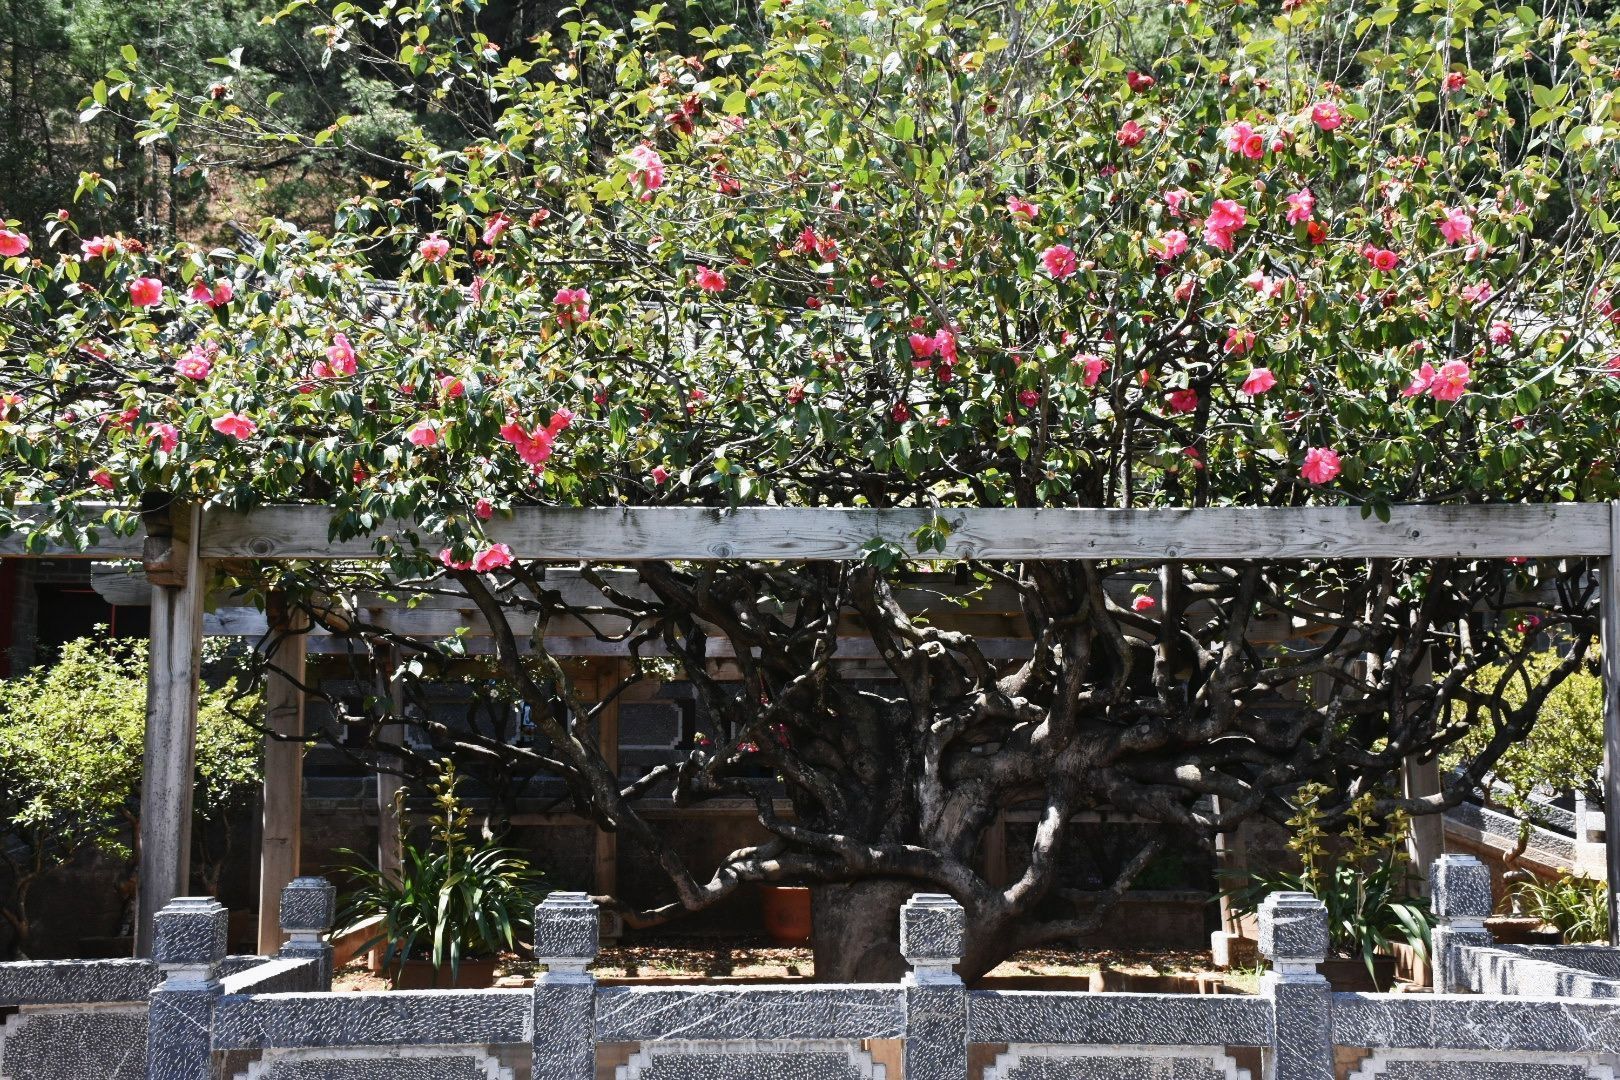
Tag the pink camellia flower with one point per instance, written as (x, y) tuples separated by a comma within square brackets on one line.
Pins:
[(167, 436), (1183, 401), (234, 425), (450, 561), (1022, 208), (1478, 293), (146, 292), (216, 295), (451, 387), (102, 479), (1326, 115), (710, 280), (1060, 261), (1451, 381), (12, 243), (1176, 200), (1094, 366), (1381, 258), (1226, 217), (1029, 398), (1130, 133), (1170, 245), (433, 248), (495, 227), (99, 247), (648, 171), (196, 364), (1144, 603), (1241, 138), (340, 358), (1268, 287), (424, 434), (1454, 81), (1456, 226), (1238, 341), (483, 510), (900, 413), (659, 474), (1422, 379), (1138, 82), (1301, 205), (922, 346), (1500, 333), (575, 304), (1321, 465), (1260, 380), (491, 558)]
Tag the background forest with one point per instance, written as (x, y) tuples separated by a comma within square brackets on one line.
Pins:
[(53, 53)]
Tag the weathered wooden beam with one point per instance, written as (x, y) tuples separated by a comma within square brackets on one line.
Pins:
[(282, 834), (633, 533), (1610, 601), (174, 661)]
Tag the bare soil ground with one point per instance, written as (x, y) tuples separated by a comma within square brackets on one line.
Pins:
[(698, 960)]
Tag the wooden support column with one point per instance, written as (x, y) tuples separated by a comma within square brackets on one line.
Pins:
[(607, 843), (1609, 597), (283, 769), (390, 855), (179, 583), (1426, 836)]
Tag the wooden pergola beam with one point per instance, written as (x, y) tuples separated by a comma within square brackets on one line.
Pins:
[(630, 534)]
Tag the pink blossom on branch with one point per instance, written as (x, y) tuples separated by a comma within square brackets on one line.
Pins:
[(710, 279), (647, 172), (1456, 226), (1301, 205), (146, 292), (12, 243), (1023, 208), (1259, 380), (1321, 465), (1242, 138), (433, 248), (1170, 245), (1060, 261), (234, 425), (1326, 115), (1144, 604), (1130, 134), (491, 558)]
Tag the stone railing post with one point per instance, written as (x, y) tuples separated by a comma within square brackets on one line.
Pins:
[(1460, 886), (188, 943), (1294, 937), (566, 938), (308, 909), (932, 927)]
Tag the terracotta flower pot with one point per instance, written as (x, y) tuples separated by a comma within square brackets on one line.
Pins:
[(786, 909), (475, 973), (1348, 975)]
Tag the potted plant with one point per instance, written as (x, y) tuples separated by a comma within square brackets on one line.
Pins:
[(454, 906), (1363, 889), (1573, 904)]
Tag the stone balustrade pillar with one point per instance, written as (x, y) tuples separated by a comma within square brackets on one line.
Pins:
[(1294, 937), (932, 928), (566, 939), (1460, 886), (308, 909), (188, 943)]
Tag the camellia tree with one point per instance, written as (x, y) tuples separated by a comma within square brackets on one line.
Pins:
[(1086, 255)]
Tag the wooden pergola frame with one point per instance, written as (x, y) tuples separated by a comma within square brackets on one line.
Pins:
[(177, 550)]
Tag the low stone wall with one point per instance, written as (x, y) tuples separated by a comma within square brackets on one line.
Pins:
[(272, 1019)]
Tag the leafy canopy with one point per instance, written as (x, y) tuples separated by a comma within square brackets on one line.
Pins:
[(1112, 254)]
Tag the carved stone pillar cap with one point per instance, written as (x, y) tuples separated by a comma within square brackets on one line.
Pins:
[(1293, 929), (190, 932), (566, 927), (1461, 887), (308, 904), (932, 928)]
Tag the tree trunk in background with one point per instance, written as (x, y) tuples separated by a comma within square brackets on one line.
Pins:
[(855, 930)]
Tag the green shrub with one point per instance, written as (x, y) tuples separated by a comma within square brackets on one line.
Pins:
[(453, 899), (1578, 906), (1364, 888), (70, 761)]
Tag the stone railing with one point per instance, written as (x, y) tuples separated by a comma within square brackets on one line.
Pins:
[(91, 1018), (274, 1020)]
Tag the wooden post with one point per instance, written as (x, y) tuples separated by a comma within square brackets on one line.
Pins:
[(390, 855), (607, 843), (1426, 836), (283, 769), (1609, 597), (179, 583)]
